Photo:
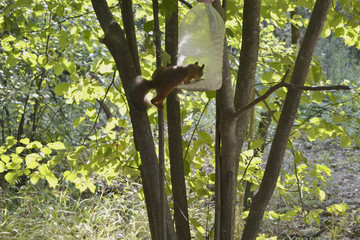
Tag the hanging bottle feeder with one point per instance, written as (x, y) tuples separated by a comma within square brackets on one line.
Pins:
[(201, 39)]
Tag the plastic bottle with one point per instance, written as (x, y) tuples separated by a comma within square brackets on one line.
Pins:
[(201, 39)]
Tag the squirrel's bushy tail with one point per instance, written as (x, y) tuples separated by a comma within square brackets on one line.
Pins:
[(139, 91)]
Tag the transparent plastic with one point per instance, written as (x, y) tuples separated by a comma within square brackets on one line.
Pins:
[(201, 39)]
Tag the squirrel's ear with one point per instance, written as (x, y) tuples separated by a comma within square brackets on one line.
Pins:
[(196, 63), (202, 66)]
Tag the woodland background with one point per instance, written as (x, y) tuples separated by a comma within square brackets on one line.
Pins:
[(69, 168)]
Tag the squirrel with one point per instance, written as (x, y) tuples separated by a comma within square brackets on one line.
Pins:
[(164, 81)]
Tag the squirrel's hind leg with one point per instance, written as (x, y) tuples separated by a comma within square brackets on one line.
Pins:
[(158, 100)]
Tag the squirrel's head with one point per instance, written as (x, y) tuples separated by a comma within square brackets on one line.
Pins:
[(196, 70)]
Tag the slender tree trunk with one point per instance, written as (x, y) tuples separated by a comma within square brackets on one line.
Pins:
[(116, 43), (287, 117), (129, 27)]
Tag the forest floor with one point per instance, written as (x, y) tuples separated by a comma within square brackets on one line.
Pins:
[(343, 186)]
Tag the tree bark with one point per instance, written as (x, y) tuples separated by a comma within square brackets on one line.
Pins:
[(129, 27), (181, 215), (287, 117)]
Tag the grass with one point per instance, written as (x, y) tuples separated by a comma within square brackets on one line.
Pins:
[(41, 213)]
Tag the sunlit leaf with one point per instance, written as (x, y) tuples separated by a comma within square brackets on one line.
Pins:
[(11, 177), (2, 166), (10, 141), (51, 179), (56, 146), (35, 144), (5, 158), (25, 141)]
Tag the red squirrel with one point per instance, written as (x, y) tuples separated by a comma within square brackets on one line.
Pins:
[(164, 81)]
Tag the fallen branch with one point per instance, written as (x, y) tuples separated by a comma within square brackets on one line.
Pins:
[(282, 83)]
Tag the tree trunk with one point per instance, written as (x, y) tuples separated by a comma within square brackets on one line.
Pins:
[(116, 43), (232, 129), (287, 117), (181, 215)]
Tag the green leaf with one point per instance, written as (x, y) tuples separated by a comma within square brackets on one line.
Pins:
[(78, 121), (7, 38), (321, 194), (34, 178), (64, 40), (45, 150), (60, 10), (317, 97), (268, 77), (43, 170), (51, 179), (2, 167), (325, 169), (337, 119), (314, 215), (106, 68), (30, 58), (25, 141), (149, 26), (70, 66), (90, 186), (167, 7), (11, 177), (256, 143), (5, 158), (19, 150), (11, 61), (210, 94), (35, 144), (326, 31), (205, 137), (338, 208), (58, 69), (61, 88), (339, 32), (345, 141), (56, 146), (197, 225), (24, 3), (32, 160), (69, 176), (10, 141)]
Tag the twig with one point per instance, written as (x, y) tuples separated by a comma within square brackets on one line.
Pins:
[(196, 126), (102, 100), (186, 3)]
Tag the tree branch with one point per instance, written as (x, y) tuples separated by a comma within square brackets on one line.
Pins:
[(316, 88), (263, 97), (282, 83)]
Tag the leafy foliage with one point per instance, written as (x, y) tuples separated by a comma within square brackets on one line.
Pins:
[(64, 116)]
